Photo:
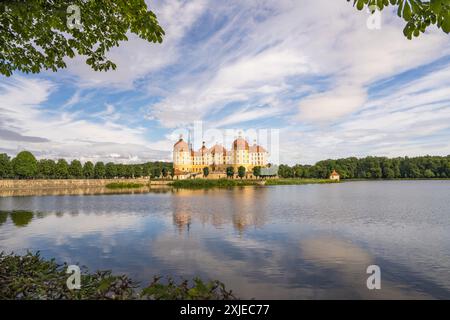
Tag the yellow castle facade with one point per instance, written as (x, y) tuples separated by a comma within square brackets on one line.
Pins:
[(218, 158)]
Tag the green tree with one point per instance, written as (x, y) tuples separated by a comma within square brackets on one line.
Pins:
[(165, 172), (99, 170), (447, 168), (418, 14), (62, 169), (35, 34), (24, 165), (5, 166), (241, 172), (76, 169), (388, 173), (46, 168), (429, 174), (137, 171), (156, 172), (110, 170), (88, 170), (298, 171), (121, 170), (285, 171), (146, 169), (230, 172), (128, 171), (257, 171), (205, 172)]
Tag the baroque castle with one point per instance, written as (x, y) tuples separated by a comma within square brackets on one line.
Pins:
[(217, 158)]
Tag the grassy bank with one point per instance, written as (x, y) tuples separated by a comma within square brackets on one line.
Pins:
[(293, 181), (205, 183), (32, 277), (228, 183), (124, 185)]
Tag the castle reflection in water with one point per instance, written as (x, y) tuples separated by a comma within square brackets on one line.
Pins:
[(243, 214)]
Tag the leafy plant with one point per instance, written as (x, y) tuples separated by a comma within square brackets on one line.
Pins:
[(418, 14), (31, 277), (198, 290), (35, 35)]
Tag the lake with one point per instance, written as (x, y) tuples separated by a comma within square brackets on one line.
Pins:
[(277, 242)]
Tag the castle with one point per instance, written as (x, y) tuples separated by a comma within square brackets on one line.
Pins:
[(217, 158)]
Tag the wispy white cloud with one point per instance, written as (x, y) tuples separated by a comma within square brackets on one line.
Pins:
[(285, 39), (136, 58)]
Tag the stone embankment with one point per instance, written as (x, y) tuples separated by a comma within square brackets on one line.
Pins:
[(64, 183)]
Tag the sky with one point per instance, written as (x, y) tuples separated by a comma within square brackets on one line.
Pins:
[(311, 70)]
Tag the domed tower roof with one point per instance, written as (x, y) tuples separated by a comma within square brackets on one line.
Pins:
[(218, 149), (240, 144), (181, 146), (257, 148)]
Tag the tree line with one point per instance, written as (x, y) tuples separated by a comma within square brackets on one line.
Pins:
[(26, 166), (373, 168)]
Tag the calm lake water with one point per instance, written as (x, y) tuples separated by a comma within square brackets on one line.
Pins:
[(281, 242)]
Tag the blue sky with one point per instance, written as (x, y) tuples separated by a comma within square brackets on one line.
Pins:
[(311, 69)]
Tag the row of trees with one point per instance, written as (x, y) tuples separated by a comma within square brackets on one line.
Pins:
[(26, 166), (373, 168)]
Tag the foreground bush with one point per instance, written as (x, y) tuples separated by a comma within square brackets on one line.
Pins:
[(32, 277)]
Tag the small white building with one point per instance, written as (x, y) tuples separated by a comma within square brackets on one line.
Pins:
[(335, 176)]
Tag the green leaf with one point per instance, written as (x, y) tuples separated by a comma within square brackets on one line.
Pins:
[(435, 6), (407, 12)]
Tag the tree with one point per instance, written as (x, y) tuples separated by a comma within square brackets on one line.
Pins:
[(39, 34), (5, 166), (428, 174), (156, 172), (76, 169), (99, 170), (205, 172), (298, 171), (230, 172), (257, 171), (110, 170), (241, 172), (46, 168), (418, 14), (62, 169), (24, 165), (121, 170), (137, 171), (164, 172), (128, 171), (88, 170), (146, 169)]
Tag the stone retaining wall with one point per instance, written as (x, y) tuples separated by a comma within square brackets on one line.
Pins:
[(64, 183)]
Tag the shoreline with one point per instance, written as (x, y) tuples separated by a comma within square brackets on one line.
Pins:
[(99, 187)]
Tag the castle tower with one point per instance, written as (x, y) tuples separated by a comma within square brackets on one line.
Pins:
[(182, 161)]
